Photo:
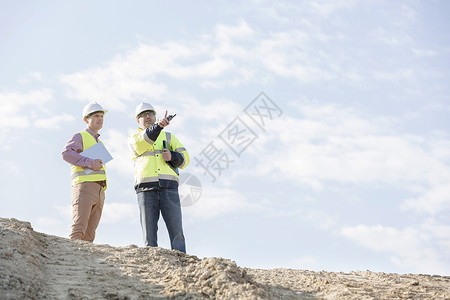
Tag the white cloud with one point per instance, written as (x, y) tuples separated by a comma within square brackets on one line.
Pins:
[(391, 38), (16, 107), (36, 76), (381, 238), (33, 76), (120, 80), (407, 12), (305, 263), (64, 210), (282, 12), (52, 225), (113, 212), (440, 148), (225, 33), (434, 200), (232, 55), (419, 249), (287, 54), (271, 13), (406, 74), (228, 56), (216, 201), (10, 167), (119, 212), (319, 219), (117, 144), (46, 222), (424, 52), (326, 8), (53, 122), (316, 218), (331, 144)]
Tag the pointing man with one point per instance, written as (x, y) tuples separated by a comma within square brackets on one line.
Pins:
[(157, 155), (88, 190)]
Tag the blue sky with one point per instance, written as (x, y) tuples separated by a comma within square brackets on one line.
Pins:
[(351, 172)]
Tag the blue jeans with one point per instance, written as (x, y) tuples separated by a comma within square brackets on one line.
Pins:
[(166, 201)]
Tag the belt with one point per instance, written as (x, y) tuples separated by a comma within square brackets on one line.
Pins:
[(101, 182)]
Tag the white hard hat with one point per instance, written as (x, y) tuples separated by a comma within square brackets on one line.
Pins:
[(143, 107), (92, 107)]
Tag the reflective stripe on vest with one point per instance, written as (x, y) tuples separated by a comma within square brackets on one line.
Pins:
[(83, 173), (78, 173), (157, 178)]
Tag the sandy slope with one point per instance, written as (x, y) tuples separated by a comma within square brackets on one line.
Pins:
[(38, 266)]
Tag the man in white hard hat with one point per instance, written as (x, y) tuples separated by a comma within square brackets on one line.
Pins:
[(157, 155), (88, 189)]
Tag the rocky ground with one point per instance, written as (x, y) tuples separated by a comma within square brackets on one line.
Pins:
[(34, 265)]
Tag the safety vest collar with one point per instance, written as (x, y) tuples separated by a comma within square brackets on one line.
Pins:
[(94, 134)]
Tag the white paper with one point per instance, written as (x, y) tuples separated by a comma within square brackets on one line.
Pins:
[(97, 151)]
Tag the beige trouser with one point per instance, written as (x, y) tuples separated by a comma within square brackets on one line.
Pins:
[(87, 205)]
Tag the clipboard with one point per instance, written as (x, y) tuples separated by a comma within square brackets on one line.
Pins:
[(97, 151)]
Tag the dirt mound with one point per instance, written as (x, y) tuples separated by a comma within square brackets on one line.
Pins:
[(38, 266), (21, 263)]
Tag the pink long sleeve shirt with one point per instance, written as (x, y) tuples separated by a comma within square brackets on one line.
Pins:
[(71, 152)]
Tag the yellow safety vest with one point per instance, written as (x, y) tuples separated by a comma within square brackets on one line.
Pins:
[(78, 173), (149, 165)]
